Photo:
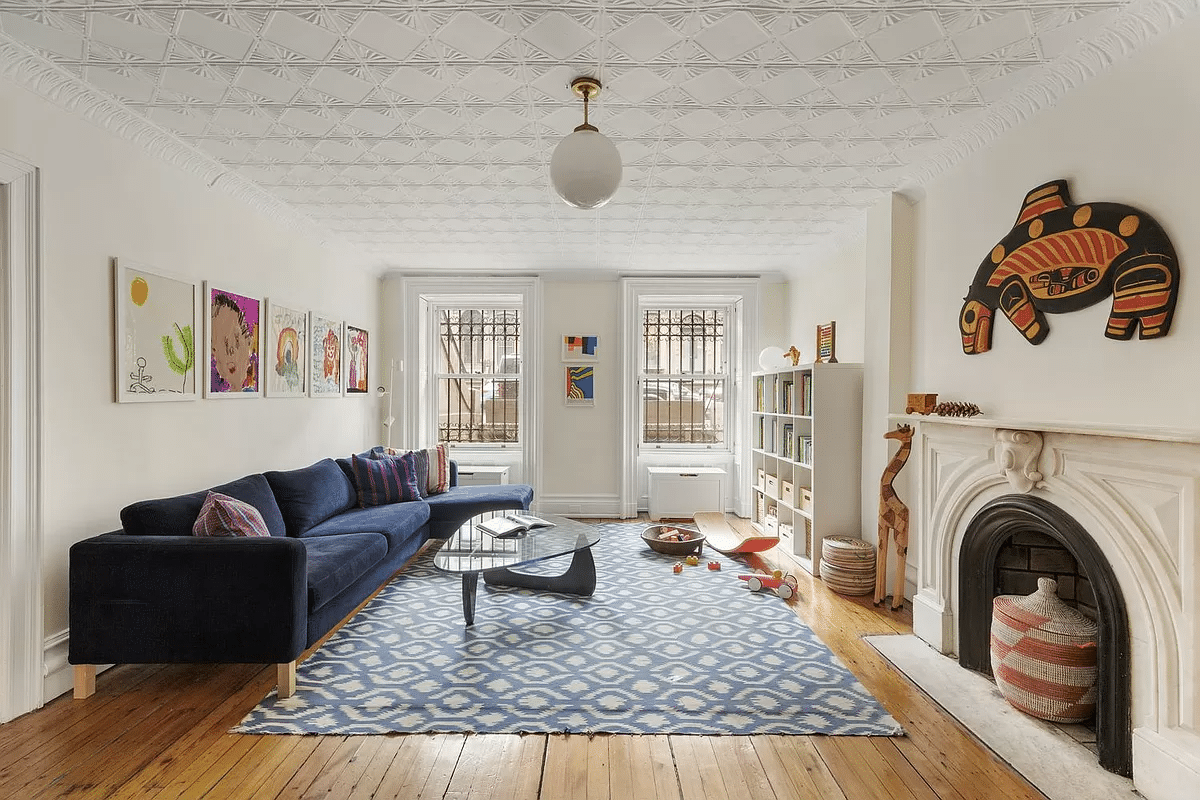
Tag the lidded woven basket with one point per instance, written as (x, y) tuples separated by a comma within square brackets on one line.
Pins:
[(1044, 655)]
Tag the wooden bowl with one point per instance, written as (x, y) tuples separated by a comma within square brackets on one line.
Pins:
[(671, 548)]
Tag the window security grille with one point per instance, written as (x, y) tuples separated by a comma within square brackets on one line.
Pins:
[(684, 376), (478, 375)]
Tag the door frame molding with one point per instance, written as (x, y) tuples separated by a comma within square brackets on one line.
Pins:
[(21, 604)]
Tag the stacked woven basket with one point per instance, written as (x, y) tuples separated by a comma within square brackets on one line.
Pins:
[(848, 565)]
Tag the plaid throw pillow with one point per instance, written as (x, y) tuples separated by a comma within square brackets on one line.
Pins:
[(222, 515), (380, 481), (433, 468)]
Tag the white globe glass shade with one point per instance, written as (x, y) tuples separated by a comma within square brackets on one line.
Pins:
[(772, 358), (585, 169)]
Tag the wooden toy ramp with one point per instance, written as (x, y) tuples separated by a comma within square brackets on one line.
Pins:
[(720, 535)]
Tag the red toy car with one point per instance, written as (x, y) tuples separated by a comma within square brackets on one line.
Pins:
[(783, 585)]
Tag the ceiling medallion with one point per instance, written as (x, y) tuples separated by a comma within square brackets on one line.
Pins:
[(585, 169)]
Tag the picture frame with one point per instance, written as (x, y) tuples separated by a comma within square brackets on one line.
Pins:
[(232, 343), (580, 387), (326, 352), (286, 350), (357, 361), (156, 317), (580, 348)]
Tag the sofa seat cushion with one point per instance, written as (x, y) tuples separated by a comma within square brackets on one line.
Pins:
[(399, 522), (335, 562), (310, 495), (175, 516), (450, 509)]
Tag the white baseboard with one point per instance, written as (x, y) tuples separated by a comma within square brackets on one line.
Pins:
[(57, 675), (1166, 766), (580, 505)]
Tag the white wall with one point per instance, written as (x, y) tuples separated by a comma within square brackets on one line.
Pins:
[(830, 290), (103, 198), (1129, 135)]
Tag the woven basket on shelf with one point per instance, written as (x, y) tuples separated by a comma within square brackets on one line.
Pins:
[(848, 565), (1044, 655)]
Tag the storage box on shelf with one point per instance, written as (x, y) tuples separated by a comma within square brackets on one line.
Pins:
[(807, 425)]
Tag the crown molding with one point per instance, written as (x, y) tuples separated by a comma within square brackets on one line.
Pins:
[(1134, 26), (25, 68)]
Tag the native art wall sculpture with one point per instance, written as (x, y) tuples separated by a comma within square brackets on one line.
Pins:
[(1061, 257)]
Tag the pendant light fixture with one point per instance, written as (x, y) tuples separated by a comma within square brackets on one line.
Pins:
[(585, 169)]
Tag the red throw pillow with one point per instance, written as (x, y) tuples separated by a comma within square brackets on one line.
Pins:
[(222, 515)]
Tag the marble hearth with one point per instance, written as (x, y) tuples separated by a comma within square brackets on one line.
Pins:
[(1135, 493)]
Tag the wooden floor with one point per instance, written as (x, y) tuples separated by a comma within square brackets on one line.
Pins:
[(160, 732)]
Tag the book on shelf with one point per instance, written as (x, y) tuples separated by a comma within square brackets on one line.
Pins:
[(508, 525)]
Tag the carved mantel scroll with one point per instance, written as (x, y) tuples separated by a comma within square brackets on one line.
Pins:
[(1017, 456)]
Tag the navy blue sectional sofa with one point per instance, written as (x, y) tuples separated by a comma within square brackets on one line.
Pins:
[(153, 593)]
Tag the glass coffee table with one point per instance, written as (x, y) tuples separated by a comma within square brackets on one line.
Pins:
[(471, 552)]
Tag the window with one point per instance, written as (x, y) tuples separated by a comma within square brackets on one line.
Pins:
[(478, 375), (684, 375)]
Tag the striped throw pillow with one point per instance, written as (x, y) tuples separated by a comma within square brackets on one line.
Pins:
[(380, 481), (433, 468), (222, 515)]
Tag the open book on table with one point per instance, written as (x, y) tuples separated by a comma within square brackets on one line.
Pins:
[(513, 524)]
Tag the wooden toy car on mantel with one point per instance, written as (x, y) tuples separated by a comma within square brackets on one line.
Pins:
[(786, 586)]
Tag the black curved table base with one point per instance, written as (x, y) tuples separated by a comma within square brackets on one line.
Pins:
[(579, 579)]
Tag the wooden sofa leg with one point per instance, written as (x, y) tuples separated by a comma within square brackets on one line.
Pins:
[(285, 676), (85, 681)]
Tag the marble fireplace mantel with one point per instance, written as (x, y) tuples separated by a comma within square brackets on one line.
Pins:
[(1136, 491)]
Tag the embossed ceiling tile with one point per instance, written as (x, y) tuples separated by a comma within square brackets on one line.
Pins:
[(823, 35), (787, 87), (805, 152), (279, 151), (936, 84), (267, 85), (862, 86), (129, 84), (415, 84), (65, 43), (128, 36), (306, 122), (637, 85), (339, 150), (341, 85), (183, 123), (299, 35), (645, 38), (764, 124), (686, 152), (233, 120), (700, 122), (472, 35), (563, 119), (559, 35), (712, 85), (829, 124), (453, 150), (372, 122), (386, 35), (911, 33), (994, 89), (511, 151), (1062, 39), (500, 122), (192, 84), (993, 34), (732, 35), (632, 123), (491, 84)]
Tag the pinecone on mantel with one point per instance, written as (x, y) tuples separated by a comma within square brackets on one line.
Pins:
[(956, 409)]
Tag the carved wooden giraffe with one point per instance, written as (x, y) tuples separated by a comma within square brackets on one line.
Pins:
[(893, 519)]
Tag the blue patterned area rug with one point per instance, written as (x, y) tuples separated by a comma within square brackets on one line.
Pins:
[(650, 652)]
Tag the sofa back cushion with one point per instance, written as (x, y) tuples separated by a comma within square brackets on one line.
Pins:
[(222, 515), (310, 495), (175, 516), (382, 481)]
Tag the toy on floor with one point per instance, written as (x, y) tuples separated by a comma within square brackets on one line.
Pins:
[(786, 586), (720, 536)]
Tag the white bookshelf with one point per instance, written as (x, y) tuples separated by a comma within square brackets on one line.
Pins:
[(806, 434)]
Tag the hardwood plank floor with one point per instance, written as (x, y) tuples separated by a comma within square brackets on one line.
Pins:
[(155, 731)]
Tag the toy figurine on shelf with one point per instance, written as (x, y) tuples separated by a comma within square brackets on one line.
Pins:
[(920, 404), (786, 586), (794, 355)]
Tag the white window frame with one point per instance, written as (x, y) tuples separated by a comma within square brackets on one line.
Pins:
[(742, 296), (422, 297)]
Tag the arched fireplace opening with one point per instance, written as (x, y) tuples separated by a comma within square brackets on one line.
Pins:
[(983, 575)]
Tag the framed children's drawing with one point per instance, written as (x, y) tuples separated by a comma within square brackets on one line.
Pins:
[(357, 378), (233, 343), (580, 348), (286, 351), (324, 356), (156, 316)]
